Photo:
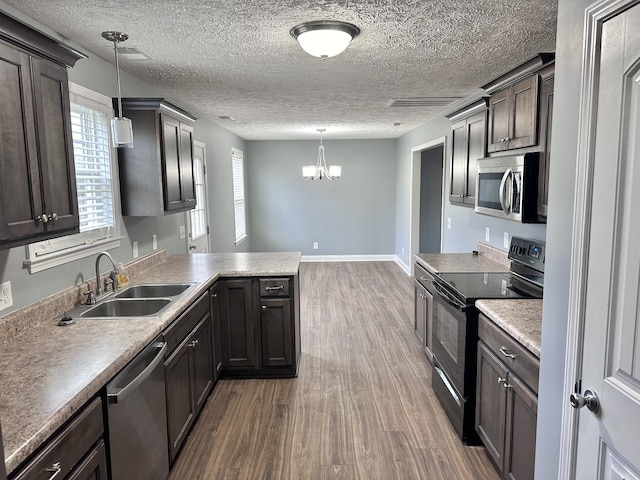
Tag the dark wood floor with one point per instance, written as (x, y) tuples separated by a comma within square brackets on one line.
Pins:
[(362, 406)]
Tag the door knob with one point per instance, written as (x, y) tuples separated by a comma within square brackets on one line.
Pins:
[(589, 399)]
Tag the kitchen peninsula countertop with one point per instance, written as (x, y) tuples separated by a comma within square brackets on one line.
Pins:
[(48, 373), (522, 319)]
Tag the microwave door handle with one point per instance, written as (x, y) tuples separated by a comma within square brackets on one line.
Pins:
[(502, 192)]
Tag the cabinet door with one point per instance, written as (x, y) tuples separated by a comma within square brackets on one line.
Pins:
[(171, 163), (202, 354), (93, 467), (277, 329), (546, 117), (524, 113), (187, 182), (476, 144), (420, 313), (51, 97), (522, 413), (237, 323), (180, 401), (20, 193), (491, 403), (499, 120), (458, 161), (217, 335)]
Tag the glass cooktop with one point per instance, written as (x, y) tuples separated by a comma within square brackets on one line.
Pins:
[(472, 286)]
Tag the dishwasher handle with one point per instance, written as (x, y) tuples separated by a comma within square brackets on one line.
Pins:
[(120, 393)]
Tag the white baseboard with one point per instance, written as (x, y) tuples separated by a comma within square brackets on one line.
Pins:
[(356, 258)]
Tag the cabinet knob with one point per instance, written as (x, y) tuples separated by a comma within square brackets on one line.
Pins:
[(44, 218), (214, 295), (503, 382), (264, 307), (193, 343), (53, 217)]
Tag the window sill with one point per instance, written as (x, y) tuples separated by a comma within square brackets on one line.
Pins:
[(67, 255)]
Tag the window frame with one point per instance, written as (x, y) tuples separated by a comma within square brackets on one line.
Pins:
[(68, 248), (240, 224)]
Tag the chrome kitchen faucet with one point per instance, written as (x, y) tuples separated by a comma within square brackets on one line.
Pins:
[(112, 275)]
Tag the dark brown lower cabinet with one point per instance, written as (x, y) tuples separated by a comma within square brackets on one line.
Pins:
[(506, 414), (76, 452), (260, 326), (189, 371)]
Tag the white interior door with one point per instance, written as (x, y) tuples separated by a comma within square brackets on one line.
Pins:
[(198, 218), (608, 446)]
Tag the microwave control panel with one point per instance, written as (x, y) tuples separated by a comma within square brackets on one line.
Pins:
[(527, 251)]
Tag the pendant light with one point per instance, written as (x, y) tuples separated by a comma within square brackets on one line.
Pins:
[(324, 38), (121, 129), (320, 170)]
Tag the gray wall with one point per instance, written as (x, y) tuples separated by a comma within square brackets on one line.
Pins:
[(564, 145), (431, 172), (354, 215), (467, 227), (99, 75)]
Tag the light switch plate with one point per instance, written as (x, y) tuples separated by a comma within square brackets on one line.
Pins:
[(6, 299), (183, 232), (487, 234), (506, 239), (449, 223), (154, 242), (134, 247)]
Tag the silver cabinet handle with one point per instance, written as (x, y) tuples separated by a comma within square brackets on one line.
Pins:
[(279, 287), (53, 217), (423, 296), (44, 218), (56, 468), (503, 382), (214, 295), (506, 353), (423, 278), (264, 307), (193, 343)]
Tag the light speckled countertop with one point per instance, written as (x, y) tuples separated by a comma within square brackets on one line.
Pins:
[(522, 319), (459, 262), (49, 373)]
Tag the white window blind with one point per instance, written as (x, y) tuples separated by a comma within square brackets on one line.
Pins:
[(96, 182), (239, 208), (199, 214), (91, 152)]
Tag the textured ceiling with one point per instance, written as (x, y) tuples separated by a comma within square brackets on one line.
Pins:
[(237, 59)]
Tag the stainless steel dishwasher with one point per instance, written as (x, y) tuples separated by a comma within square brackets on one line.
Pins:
[(137, 418)]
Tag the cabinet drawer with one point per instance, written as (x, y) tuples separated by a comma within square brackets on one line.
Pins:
[(68, 447), (517, 358), (273, 287), (185, 323), (422, 275)]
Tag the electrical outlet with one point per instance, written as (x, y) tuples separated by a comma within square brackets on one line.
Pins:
[(506, 240), (402, 250), (183, 232), (449, 223), (134, 247), (154, 242), (315, 245), (6, 299), (487, 234)]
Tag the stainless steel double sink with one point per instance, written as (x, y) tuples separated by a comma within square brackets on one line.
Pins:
[(145, 300)]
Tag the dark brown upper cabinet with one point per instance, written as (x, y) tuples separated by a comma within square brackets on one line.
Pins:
[(468, 144), (514, 106), (156, 174), (37, 180)]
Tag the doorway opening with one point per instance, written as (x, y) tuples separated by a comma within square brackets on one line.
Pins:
[(427, 188)]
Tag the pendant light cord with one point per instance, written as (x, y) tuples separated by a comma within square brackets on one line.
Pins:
[(115, 51)]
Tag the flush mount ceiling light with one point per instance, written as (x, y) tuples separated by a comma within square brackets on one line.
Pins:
[(324, 38), (320, 170), (121, 129)]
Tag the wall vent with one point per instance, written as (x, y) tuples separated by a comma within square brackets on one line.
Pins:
[(133, 53), (422, 101)]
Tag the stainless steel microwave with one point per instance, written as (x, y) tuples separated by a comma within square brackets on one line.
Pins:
[(507, 187)]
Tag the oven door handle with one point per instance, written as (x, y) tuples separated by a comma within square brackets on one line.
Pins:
[(454, 302), (503, 191)]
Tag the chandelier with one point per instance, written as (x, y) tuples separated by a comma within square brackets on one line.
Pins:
[(320, 170)]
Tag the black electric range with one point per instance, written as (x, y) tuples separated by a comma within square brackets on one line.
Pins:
[(455, 325)]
